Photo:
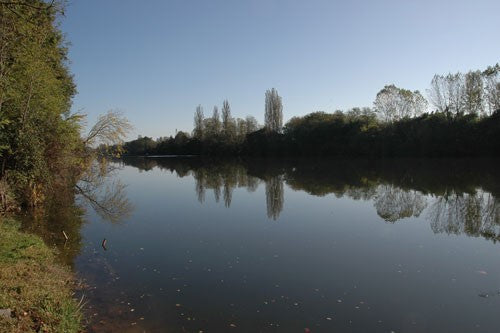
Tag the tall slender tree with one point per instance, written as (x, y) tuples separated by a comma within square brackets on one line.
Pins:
[(216, 124), (199, 125), (228, 123), (273, 116)]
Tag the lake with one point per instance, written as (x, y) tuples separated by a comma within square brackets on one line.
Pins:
[(288, 246)]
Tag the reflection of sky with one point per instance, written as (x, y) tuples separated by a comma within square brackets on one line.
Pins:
[(319, 251)]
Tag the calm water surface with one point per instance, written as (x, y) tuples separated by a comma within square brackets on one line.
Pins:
[(295, 246)]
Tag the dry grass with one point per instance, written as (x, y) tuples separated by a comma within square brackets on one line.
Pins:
[(37, 289)]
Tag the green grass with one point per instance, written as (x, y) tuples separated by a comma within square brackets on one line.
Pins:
[(33, 285)]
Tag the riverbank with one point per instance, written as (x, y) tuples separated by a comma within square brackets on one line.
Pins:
[(35, 291)]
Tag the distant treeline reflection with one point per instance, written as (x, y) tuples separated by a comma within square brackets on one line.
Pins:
[(455, 196)]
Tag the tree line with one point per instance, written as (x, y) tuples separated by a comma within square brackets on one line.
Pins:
[(461, 117)]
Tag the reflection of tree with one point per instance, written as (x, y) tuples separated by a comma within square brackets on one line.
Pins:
[(59, 214), (104, 194), (274, 196), (63, 213), (393, 203), (214, 181), (475, 214), (228, 194), (229, 173), (110, 202), (360, 193), (252, 184), (199, 177), (222, 178), (147, 164), (398, 188)]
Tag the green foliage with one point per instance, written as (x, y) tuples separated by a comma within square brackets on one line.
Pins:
[(39, 141)]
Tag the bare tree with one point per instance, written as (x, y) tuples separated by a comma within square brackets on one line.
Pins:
[(110, 129), (393, 103), (437, 94), (418, 104), (473, 93), (492, 88), (273, 116), (446, 93), (455, 87), (386, 103)]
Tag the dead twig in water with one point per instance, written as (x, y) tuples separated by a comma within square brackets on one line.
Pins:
[(81, 304)]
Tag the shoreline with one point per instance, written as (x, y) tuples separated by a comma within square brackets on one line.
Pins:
[(36, 292)]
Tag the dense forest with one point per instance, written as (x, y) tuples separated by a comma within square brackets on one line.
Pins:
[(464, 121)]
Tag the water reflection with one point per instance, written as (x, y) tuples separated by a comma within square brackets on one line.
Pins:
[(64, 213), (222, 178), (101, 190), (459, 196), (473, 214), (274, 196), (172, 262), (60, 214), (393, 203)]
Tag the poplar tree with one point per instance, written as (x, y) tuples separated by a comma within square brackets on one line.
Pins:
[(228, 123), (273, 116), (216, 125), (199, 117)]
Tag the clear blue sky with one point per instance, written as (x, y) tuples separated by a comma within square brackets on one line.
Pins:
[(157, 60)]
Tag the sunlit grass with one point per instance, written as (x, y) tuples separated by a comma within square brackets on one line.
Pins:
[(33, 286)]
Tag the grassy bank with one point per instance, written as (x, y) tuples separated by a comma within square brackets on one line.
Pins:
[(33, 286)]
